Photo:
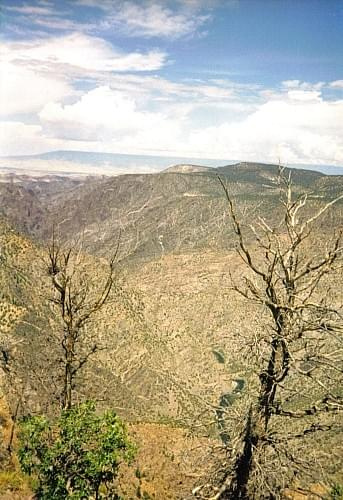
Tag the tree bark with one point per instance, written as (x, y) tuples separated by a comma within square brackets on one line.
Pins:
[(256, 426), (69, 371)]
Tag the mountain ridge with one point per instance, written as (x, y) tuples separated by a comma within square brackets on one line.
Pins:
[(159, 212)]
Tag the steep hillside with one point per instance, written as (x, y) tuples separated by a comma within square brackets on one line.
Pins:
[(161, 359), (156, 351), (180, 209), (173, 212), (21, 207), (154, 213), (26, 200)]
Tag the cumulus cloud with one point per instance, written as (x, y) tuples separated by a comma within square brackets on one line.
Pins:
[(99, 114), (34, 73), (25, 91), (141, 112), (305, 130), (297, 126), (113, 121)]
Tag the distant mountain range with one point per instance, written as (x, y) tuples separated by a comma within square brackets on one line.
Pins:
[(91, 163)]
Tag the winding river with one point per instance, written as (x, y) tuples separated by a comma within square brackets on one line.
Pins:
[(226, 400)]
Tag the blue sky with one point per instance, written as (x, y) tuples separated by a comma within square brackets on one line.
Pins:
[(234, 79)]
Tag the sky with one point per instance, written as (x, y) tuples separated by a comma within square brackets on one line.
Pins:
[(253, 80)]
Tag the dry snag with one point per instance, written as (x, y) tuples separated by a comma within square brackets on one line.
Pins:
[(76, 303), (297, 395)]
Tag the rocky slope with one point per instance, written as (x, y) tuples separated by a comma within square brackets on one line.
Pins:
[(180, 209), (171, 211)]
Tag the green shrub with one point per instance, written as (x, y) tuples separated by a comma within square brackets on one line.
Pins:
[(336, 492), (77, 456)]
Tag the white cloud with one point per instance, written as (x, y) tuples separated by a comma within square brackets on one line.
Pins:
[(98, 115), (294, 130), (291, 84), (156, 20), (140, 113), (304, 95), (298, 126), (30, 10), (45, 15), (136, 18), (299, 85), (157, 118), (337, 84), (200, 91), (151, 18), (25, 91), (18, 138), (81, 51)]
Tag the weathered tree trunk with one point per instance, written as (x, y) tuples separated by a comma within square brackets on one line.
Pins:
[(244, 463), (256, 427), (69, 371), (67, 393)]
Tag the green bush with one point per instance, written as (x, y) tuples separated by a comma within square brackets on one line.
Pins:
[(77, 456), (336, 492)]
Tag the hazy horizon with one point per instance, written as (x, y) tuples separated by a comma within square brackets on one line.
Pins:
[(96, 163)]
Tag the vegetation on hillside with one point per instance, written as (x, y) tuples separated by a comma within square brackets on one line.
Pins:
[(76, 456), (183, 348)]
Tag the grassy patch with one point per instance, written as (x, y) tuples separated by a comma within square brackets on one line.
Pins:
[(14, 481)]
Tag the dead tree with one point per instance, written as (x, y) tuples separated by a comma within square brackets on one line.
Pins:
[(290, 273), (76, 304)]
